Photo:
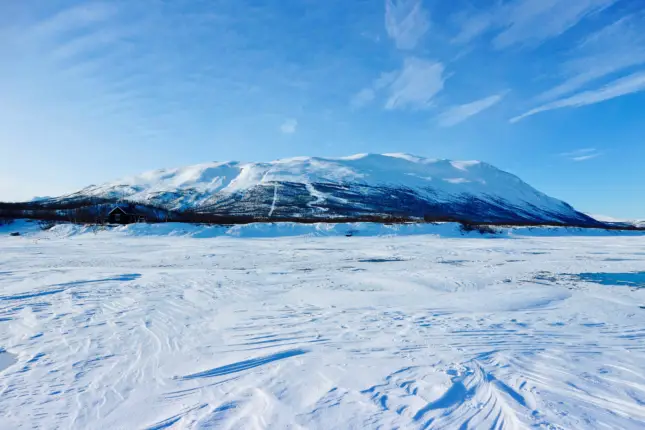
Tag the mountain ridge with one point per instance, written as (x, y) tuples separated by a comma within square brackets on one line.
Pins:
[(393, 184)]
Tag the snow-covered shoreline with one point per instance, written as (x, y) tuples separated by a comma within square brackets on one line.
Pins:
[(290, 229)]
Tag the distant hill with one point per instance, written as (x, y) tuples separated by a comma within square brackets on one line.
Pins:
[(618, 222), (364, 185)]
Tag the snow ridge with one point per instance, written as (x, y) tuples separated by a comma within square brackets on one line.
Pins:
[(395, 183)]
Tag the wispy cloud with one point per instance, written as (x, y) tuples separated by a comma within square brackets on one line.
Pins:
[(412, 87), (362, 98), (416, 84), (289, 126), (533, 21), (585, 157), (631, 84), (527, 22), (472, 25), (76, 17), (616, 47), (367, 95), (406, 22), (581, 154), (87, 43), (91, 56), (460, 113)]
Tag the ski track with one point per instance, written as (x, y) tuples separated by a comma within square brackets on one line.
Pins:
[(116, 332), (275, 199)]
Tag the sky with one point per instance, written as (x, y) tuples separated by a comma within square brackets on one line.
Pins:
[(550, 90)]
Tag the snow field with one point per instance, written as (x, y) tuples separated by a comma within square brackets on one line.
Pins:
[(120, 331)]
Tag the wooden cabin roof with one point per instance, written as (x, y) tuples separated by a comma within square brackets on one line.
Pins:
[(120, 209)]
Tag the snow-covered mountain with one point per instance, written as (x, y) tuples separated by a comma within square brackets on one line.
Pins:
[(364, 184), (618, 222)]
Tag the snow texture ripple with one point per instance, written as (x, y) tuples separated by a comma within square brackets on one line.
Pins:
[(112, 331)]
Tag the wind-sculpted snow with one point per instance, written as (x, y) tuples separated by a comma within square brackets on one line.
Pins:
[(115, 331), (365, 184)]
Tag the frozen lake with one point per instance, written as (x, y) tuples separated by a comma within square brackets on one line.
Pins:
[(110, 331)]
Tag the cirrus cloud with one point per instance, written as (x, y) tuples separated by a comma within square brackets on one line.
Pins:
[(416, 84), (582, 154), (412, 87), (460, 113), (406, 22), (526, 22), (628, 85)]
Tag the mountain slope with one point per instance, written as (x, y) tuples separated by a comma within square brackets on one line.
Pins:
[(365, 184)]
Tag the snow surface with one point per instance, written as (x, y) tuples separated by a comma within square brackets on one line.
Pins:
[(31, 229), (442, 180), (124, 329)]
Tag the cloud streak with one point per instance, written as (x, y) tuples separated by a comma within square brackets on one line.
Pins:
[(460, 113), (367, 95), (472, 25), (618, 46), (585, 157), (77, 17), (406, 22), (363, 98), (534, 21), (416, 85), (628, 85), (526, 22), (412, 87), (581, 154), (87, 44), (419, 80)]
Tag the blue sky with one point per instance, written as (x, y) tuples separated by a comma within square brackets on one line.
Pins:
[(551, 90)]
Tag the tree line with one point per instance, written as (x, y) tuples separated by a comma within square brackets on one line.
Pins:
[(91, 210)]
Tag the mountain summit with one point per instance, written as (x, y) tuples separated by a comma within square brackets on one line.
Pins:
[(359, 185)]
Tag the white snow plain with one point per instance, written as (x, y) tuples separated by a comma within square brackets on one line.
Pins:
[(137, 331)]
